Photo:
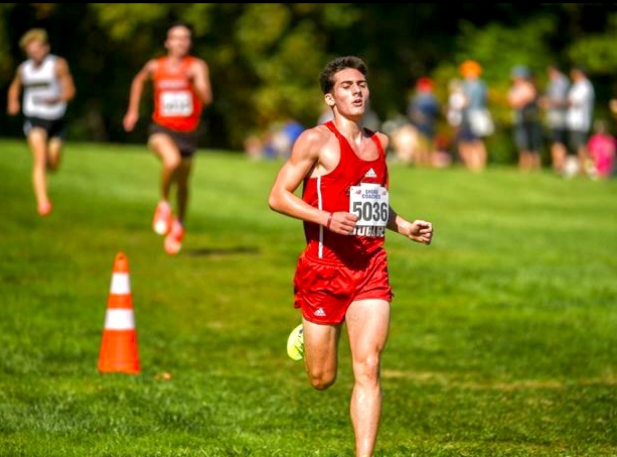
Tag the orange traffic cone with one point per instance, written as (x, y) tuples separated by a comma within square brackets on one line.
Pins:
[(119, 345)]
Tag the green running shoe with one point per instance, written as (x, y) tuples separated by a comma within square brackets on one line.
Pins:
[(295, 343)]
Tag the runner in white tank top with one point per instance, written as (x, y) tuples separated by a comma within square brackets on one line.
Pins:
[(42, 89), (48, 86)]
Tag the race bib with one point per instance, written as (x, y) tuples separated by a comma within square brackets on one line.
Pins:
[(370, 203), (176, 104)]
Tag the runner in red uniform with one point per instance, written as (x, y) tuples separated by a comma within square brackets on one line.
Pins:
[(181, 89), (342, 275)]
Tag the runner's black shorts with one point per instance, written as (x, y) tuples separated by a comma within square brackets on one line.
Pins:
[(185, 141), (55, 128)]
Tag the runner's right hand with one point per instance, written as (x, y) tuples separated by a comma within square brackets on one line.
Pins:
[(13, 108), (343, 223), (129, 121)]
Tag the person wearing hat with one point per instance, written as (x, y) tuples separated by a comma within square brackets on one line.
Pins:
[(476, 122), (422, 112)]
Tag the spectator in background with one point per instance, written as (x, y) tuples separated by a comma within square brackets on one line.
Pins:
[(284, 138), (405, 139), (523, 98), (601, 149), (253, 146), (579, 115), (454, 110), (476, 122), (422, 112), (276, 142), (456, 104), (555, 102)]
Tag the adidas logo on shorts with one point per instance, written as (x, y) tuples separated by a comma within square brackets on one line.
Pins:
[(320, 312), (370, 174)]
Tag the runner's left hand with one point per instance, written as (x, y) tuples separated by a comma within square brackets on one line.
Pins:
[(419, 231)]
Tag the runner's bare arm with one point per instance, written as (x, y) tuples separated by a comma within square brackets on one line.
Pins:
[(137, 88), (304, 157), (419, 231), (201, 81), (66, 82), (13, 105)]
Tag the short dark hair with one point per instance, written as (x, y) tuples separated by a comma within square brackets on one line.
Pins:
[(180, 24), (326, 77)]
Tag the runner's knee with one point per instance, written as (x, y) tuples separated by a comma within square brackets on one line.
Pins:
[(366, 369), (322, 380), (172, 162)]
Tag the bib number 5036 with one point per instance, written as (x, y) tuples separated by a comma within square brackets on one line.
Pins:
[(374, 212), (369, 202)]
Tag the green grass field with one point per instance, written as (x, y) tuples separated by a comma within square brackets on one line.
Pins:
[(503, 339)]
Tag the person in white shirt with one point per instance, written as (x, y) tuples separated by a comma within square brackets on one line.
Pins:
[(555, 104), (47, 87), (580, 113)]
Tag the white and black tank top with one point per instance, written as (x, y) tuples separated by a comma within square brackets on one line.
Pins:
[(40, 84)]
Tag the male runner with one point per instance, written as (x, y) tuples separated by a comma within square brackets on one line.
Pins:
[(342, 275), (181, 89), (48, 86)]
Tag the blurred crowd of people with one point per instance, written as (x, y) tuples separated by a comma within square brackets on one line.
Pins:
[(569, 112), (274, 143), (560, 118)]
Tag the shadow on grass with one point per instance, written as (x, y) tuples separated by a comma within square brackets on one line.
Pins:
[(205, 252)]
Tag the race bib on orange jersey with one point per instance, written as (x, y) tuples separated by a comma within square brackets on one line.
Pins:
[(176, 103), (370, 202)]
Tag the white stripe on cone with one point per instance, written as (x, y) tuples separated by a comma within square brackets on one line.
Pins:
[(120, 284), (119, 319)]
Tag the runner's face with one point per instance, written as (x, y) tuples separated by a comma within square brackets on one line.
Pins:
[(37, 50), (350, 93), (178, 41)]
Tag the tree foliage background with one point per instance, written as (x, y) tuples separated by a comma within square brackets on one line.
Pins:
[(265, 58)]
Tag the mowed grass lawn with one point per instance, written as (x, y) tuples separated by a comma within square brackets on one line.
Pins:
[(503, 338)]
